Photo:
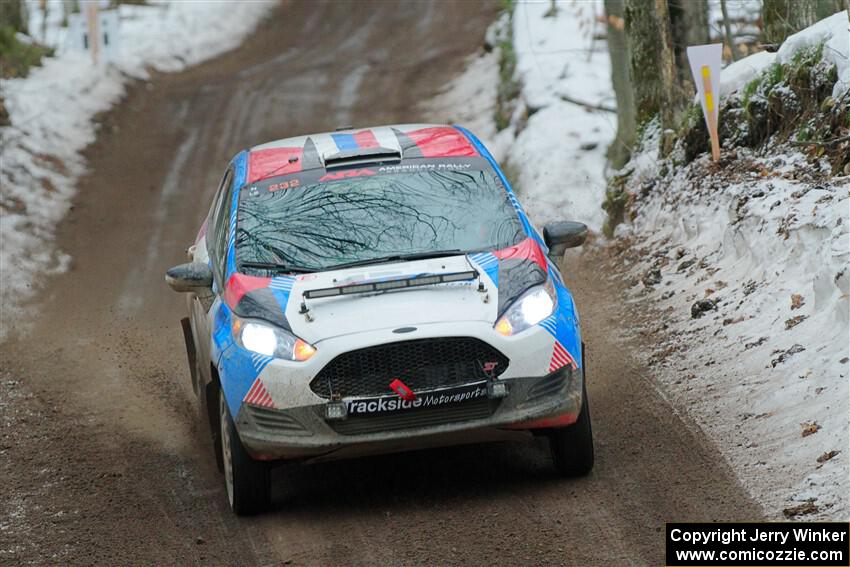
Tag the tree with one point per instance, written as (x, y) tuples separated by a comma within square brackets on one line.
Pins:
[(826, 8), (13, 15), (618, 49), (653, 70), (727, 31), (785, 17), (688, 26)]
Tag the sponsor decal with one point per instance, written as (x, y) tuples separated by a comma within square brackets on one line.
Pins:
[(388, 404), (424, 167), (290, 184)]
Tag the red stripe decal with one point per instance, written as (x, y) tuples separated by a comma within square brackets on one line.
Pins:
[(560, 358), (240, 284), (441, 141), (273, 161), (258, 395), (366, 139), (528, 249)]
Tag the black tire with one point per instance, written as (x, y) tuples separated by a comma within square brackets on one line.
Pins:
[(572, 446), (247, 481)]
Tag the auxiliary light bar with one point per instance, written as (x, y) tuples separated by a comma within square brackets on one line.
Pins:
[(391, 284)]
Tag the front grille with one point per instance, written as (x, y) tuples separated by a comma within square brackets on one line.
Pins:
[(422, 364), (422, 417)]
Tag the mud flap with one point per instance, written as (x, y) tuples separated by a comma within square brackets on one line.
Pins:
[(190, 353)]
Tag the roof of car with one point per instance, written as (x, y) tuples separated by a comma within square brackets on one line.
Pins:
[(300, 153)]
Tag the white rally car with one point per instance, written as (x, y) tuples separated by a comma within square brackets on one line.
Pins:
[(371, 291)]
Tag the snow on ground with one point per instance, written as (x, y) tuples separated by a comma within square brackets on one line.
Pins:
[(765, 238), (52, 112), (555, 148), (470, 100), (766, 250), (559, 153), (746, 265)]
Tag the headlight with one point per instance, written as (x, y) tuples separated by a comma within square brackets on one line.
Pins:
[(268, 340), (532, 307)]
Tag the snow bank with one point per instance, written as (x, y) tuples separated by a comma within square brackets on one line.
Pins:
[(768, 254), (833, 33), (735, 76), (559, 152), (52, 109), (747, 265)]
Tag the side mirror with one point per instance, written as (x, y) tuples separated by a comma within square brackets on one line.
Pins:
[(561, 235), (192, 277)]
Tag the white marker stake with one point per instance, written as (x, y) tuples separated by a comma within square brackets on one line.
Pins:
[(93, 29), (705, 63)]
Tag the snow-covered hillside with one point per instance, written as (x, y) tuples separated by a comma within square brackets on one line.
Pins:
[(52, 111), (740, 269), (745, 264)]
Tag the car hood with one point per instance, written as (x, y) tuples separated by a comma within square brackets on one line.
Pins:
[(280, 300)]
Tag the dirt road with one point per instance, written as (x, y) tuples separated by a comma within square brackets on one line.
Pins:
[(101, 460)]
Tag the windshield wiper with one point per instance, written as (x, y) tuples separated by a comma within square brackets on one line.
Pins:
[(273, 267), (401, 258)]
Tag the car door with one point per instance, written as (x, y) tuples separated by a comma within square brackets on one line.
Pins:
[(203, 313)]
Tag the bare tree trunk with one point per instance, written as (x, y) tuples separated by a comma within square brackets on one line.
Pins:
[(44, 8), (652, 64), (696, 16), (618, 48), (679, 35), (826, 8), (785, 17), (727, 31), (672, 94), (688, 26), (13, 14)]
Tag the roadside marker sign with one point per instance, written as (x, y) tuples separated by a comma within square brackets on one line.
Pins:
[(705, 63)]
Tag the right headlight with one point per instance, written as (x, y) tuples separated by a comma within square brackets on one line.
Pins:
[(268, 340), (532, 307)]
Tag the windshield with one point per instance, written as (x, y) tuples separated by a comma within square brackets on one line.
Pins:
[(315, 226)]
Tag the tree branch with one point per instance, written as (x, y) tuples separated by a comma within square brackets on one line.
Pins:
[(600, 107)]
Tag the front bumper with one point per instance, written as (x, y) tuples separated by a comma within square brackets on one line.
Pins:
[(303, 433)]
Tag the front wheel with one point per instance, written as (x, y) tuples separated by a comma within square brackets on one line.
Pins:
[(572, 446), (247, 481)]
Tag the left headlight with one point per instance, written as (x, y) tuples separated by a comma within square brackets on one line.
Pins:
[(269, 340), (532, 307)]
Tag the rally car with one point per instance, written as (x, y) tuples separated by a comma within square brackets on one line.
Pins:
[(377, 290)]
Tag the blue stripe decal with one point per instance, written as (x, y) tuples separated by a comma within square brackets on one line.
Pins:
[(240, 174), (489, 263), (526, 223), (240, 166), (344, 141), (238, 369), (563, 323), (281, 288)]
